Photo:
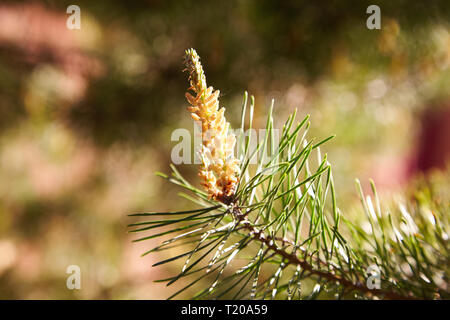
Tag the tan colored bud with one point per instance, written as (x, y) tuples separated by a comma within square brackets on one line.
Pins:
[(219, 169)]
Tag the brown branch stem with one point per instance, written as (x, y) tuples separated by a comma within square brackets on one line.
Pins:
[(293, 259)]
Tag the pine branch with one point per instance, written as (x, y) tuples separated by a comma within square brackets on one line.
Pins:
[(330, 276), (280, 214)]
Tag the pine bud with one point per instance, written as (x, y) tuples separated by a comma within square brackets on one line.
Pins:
[(219, 170)]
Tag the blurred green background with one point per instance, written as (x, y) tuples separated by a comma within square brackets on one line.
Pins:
[(86, 116)]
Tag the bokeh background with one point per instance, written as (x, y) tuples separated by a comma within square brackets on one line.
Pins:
[(86, 116)]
